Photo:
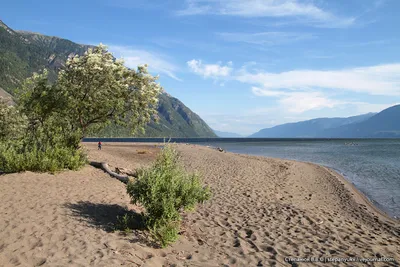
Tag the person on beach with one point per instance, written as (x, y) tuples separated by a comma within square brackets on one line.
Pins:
[(99, 145)]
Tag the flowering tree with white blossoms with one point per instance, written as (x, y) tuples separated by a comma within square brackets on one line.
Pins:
[(43, 131), (92, 91)]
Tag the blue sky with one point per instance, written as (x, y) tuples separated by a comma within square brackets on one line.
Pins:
[(243, 65)]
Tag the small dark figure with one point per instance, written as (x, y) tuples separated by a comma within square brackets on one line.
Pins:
[(99, 146)]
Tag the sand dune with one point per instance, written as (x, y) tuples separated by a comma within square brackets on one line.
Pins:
[(262, 211)]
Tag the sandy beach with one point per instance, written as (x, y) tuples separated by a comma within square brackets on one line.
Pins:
[(262, 212)]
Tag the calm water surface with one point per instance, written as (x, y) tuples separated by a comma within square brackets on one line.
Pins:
[(373, 166)]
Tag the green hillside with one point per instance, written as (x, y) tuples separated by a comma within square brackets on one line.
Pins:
[(174, 120), (22, 53), (385, 124), (309, 129)]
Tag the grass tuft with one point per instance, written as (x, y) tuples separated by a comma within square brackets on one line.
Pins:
[(126, 223)]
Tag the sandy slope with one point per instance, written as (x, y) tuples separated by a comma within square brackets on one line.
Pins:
[(262, 211)]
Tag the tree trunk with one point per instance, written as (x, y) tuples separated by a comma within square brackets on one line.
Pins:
[(104, 166)]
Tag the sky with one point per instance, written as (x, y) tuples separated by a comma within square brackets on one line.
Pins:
[(242, 65)]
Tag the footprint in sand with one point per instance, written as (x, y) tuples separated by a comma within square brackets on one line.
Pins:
[(236, 243)]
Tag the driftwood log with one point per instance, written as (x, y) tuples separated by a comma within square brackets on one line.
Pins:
[(123, 174), (126, 171)]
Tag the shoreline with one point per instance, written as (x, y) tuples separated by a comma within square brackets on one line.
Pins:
[(335, 172), (339, 175), (341, 178), (262, 212), (352, 187)]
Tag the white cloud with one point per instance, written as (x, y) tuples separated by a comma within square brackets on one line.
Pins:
[(266, 38), (210, 70), (373, 80), (299, 91), (299, 102), (156, 62), (263, 92), (303, 90), (265, 8)]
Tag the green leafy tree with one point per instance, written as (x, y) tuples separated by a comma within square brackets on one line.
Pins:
[(96, 90), (12, 123), (42, 105), (92, 91)]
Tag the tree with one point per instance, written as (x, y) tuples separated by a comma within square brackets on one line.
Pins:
[(91, 92), (12, 123), (44, 130), (99, 89), (42, 105)]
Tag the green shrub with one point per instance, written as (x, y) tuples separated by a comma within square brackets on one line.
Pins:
[(12, 122), (165, 189), (126, 223), (165, 232), (16, 156)]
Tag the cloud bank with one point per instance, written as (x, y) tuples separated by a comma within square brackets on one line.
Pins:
[(373, 80), (298, 91)]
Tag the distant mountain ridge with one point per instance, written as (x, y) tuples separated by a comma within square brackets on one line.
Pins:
[(227, 134), (385, 124), (310, 128), (22, 53)]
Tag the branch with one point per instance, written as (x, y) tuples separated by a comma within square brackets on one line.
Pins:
[(97, 119), (104, 166)]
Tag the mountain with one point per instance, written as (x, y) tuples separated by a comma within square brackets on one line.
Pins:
[(385, 124), (227, 134), (22, 53), (174, 120), (310, 128), (4, 94)]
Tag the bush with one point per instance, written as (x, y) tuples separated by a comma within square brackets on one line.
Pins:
[(16, 156), (12, 122), (126, 223), (164, 190)]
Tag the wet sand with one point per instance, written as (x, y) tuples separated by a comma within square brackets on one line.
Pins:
[(262, 211)]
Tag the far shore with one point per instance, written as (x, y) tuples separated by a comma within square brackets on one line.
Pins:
[(263, 212)]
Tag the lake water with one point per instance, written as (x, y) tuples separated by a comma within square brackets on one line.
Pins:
[(373, 165)]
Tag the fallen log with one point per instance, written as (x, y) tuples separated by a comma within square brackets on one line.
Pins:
[(126, 171), (104, 166)]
